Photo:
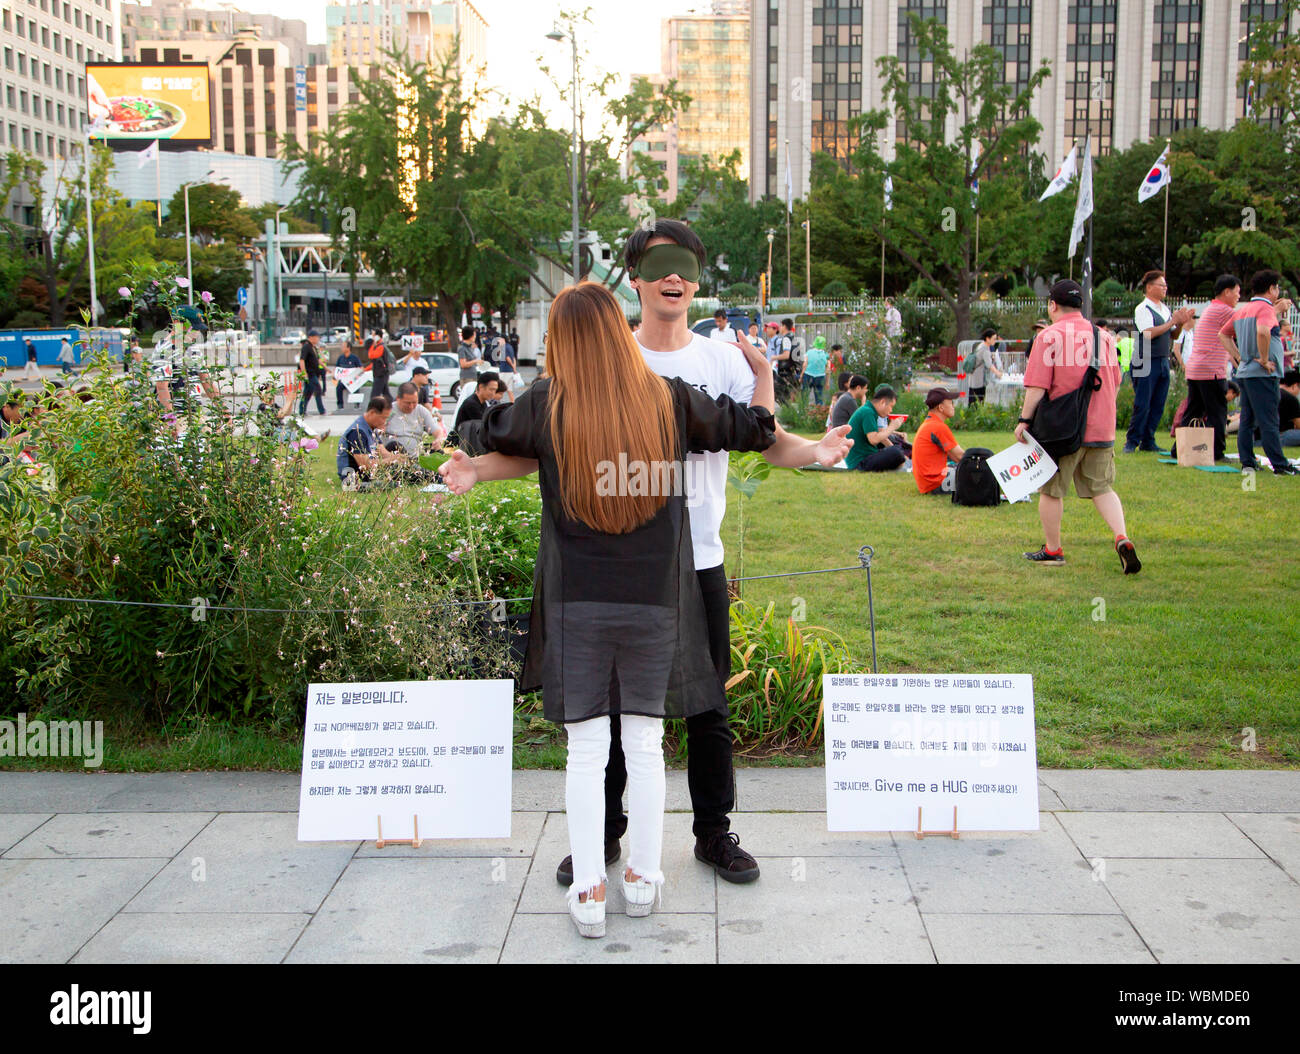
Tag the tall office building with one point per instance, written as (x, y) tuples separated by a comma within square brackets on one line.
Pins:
[(176, 20), (45, 45), (1122, 70), (706, 54), (360, 33)]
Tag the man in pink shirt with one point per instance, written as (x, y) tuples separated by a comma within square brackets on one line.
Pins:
[(1208, 364), (1057, 364)]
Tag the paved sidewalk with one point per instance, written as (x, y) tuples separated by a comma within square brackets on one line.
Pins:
[(1152, 866)]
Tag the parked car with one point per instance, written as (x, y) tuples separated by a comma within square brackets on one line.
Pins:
[(336, 335), (737, 318), (293, 336)]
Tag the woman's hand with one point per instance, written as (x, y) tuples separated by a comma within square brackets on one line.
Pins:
[(834, 447), (458, 472)]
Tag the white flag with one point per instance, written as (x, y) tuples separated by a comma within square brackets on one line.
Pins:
[(1068, 170), (1156, 178), (149, 153), (889, 193), (1084, 208)]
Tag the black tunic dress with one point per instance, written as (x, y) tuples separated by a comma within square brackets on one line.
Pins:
[(621, 605)]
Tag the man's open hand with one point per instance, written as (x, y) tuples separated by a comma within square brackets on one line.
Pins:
[(834, 447)]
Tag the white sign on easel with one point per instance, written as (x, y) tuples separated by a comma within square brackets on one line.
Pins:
[(1022, 468), (398, 755), (904, 750)]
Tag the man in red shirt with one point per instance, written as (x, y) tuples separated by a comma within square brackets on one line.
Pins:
[(1209, 362), (1057, 364), (934, 443)]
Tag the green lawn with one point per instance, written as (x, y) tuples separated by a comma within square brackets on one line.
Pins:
[(1162, 669)]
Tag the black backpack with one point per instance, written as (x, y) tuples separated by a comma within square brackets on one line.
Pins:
[(974, 482)]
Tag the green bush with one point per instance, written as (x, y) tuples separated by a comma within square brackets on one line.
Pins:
[(835, 290)]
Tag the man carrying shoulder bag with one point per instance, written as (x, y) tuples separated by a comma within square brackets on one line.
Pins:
[(1070, 384)]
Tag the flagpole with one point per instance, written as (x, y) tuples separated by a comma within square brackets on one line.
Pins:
[(1164, 249), (157, 167), (882, 258)]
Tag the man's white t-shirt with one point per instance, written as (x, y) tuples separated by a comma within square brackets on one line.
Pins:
[(727, 335), (715, 369)]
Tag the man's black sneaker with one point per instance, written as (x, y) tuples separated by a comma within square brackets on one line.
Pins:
[(1287, 470), (1128, 556), (564, 873), (1129, 448), (1042, 556), (1150, 450), (723, 851)]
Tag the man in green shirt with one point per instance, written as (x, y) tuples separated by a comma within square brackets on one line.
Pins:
[(875, 448)]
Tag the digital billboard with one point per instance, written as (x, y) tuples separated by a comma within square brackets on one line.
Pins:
[(140, 102)]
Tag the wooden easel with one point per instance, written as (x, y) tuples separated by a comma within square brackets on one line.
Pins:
[(415, 842), (950, 834)]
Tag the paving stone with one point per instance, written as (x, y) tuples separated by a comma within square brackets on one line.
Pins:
[(781, 790), (1031, 939), (536, 790), (224, 937), (797, 834), (415, 911), (1171, 790), (15, 826), (830, 910), (50, 908), (1277, 834), (52, 792), (659, 938), (1026, 873), (206, 792), (688, 887), (107, 834), (250, 862), (1156, 834), (525, 830), (1219, 911)]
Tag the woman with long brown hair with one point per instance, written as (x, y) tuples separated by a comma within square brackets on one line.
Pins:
[(615, 594)]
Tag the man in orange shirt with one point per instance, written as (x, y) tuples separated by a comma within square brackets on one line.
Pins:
[(935, 445)]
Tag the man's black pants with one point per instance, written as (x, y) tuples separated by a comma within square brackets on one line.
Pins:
[(709, 771), (1208, 401)]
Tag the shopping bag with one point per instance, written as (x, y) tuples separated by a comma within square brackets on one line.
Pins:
[(1195, 444)]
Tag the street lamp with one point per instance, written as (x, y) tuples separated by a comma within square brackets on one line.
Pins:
[(189, 267), (558, 34), (279, 279)]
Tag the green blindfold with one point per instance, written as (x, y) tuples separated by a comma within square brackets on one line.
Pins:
[(659, 261)]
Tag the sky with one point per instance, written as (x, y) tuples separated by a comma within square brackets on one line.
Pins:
[(623, 39)]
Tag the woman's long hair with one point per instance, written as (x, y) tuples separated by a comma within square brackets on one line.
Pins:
[(605, 401)]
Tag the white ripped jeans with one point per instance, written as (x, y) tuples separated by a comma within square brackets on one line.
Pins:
[(584, 797)]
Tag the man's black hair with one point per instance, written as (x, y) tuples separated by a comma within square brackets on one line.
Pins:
[(721, 311), (856, 381), (1291, 377), (1233, 386), (378, 404), (1225, 282), (674, 230), (488, 377), (1264, 281), (407, 388), (990, 332), (788, 323), (883, 391), (466, 332), (837, 347)]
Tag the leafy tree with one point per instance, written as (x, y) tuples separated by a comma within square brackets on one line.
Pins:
[(217, 214), (1273, 66), (933, 222), (61, 262)]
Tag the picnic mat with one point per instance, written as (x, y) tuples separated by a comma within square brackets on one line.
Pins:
[(1202, 468)]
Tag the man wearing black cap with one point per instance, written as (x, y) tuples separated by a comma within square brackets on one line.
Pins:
[(935, 445), (423, 389), (1057, 364), (309, 363)]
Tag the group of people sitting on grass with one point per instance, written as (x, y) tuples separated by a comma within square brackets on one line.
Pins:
[(879, 443)]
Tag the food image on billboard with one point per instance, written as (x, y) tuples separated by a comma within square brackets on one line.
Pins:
[(134, 101)]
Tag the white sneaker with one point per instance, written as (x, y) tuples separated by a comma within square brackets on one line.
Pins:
[(640, 897), (588, 915)]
